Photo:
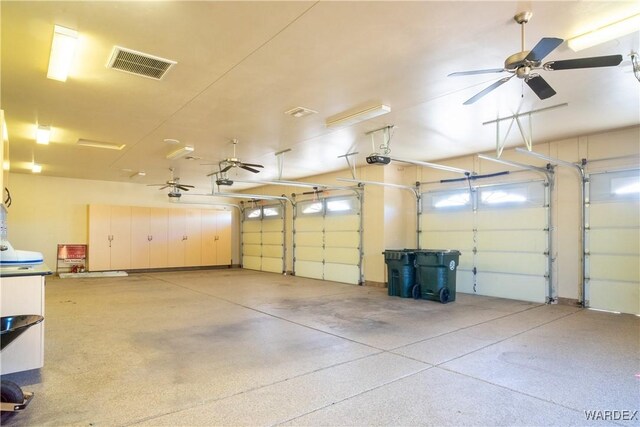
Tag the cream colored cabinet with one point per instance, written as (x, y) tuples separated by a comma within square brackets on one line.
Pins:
[(149, 228), (23, 295), (109, 237), (123, 237), (185, 239), (216, 237)]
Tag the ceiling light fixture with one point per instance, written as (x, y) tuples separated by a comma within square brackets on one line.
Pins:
[(100, 144), (605, 33), (298, 112), (43, 134), (36, 168), (180, 152), (352, 117), (63, 48)]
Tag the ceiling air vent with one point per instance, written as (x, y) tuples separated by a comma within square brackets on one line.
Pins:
[(138, 63)]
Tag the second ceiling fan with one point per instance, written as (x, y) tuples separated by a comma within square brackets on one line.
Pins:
[(524, 63)]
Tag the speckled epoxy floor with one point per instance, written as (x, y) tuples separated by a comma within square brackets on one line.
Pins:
[(237, 347)]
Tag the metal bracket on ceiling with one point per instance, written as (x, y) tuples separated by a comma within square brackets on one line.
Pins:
[(280, 157), (385, 147), (528, 139), (352, 166)]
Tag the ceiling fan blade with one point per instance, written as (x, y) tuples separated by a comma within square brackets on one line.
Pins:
[(540, 87), (593, 62), (253, 165), (487, 90), (469, 73), (163, 187), (544, 47), (183, 187), (186, 185), (245, 167), (226, 168)]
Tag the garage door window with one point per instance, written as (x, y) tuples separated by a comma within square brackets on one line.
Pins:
[(253, 214), (273, 211), (315, 207), (517, 195), (342, 206), (452, 200)]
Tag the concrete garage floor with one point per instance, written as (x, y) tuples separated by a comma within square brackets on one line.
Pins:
[(236, 347)]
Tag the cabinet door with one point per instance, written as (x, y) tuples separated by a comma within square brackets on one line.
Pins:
[(209, 226), (99, 232), (140, 237), (121, 242), (158, 230), (193, 243), (223, 242), (176, 237)]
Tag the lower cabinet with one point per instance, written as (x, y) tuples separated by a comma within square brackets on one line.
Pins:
[(158, 237)]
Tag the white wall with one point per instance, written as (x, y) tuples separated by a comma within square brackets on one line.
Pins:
[(47, 211)]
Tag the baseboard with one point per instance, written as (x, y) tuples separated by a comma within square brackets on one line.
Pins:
[(374, 284)]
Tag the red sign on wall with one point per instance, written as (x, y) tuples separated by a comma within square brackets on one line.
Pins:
[(72, 254)]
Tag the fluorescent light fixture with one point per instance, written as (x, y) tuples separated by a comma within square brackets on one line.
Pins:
[(605, 33), (43, 134), (100, 144), (63, 48), (36, 168), (180, 152), (353, 117), (433, 166)]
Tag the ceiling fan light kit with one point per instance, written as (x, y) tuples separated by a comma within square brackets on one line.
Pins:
[(524, 63)]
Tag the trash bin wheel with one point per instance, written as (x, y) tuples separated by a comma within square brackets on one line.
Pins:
[(415, 292), (11, 392), (444, 295)]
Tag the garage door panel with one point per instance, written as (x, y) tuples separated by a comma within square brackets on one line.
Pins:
[(275, 238), (272, 265), (512, 219), (342, 273), (251, 226), (618, 214), (616, 296), (272, 225), (251, 262), (272, 251), (513, 240), (515, 263), (251, 238), (342, 222), (466, 262), (342, 255), (342, 239), (460, 240), (615, 241), (309, 269), (447, 221), (525, 288), (251, 250), (309, 253), (614, 267), (314, 223), (309, 238), (464, 280)]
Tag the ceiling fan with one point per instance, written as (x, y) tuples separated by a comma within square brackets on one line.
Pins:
[(523, 64), (234, 162), (174, 184)]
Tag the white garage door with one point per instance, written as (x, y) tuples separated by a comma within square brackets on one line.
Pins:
[(327, 239), (263, 238), (503, 241), (613, 242)]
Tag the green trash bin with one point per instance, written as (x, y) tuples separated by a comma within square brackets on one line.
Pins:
[(401, 274), (436, 274)]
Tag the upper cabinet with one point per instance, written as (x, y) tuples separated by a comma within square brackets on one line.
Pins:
[(129, 238)]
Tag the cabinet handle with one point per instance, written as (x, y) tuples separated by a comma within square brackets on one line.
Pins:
[(149, 238), (184, 237), (216, 238)]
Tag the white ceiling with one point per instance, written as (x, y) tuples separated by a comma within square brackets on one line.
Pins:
[(241, 65)]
